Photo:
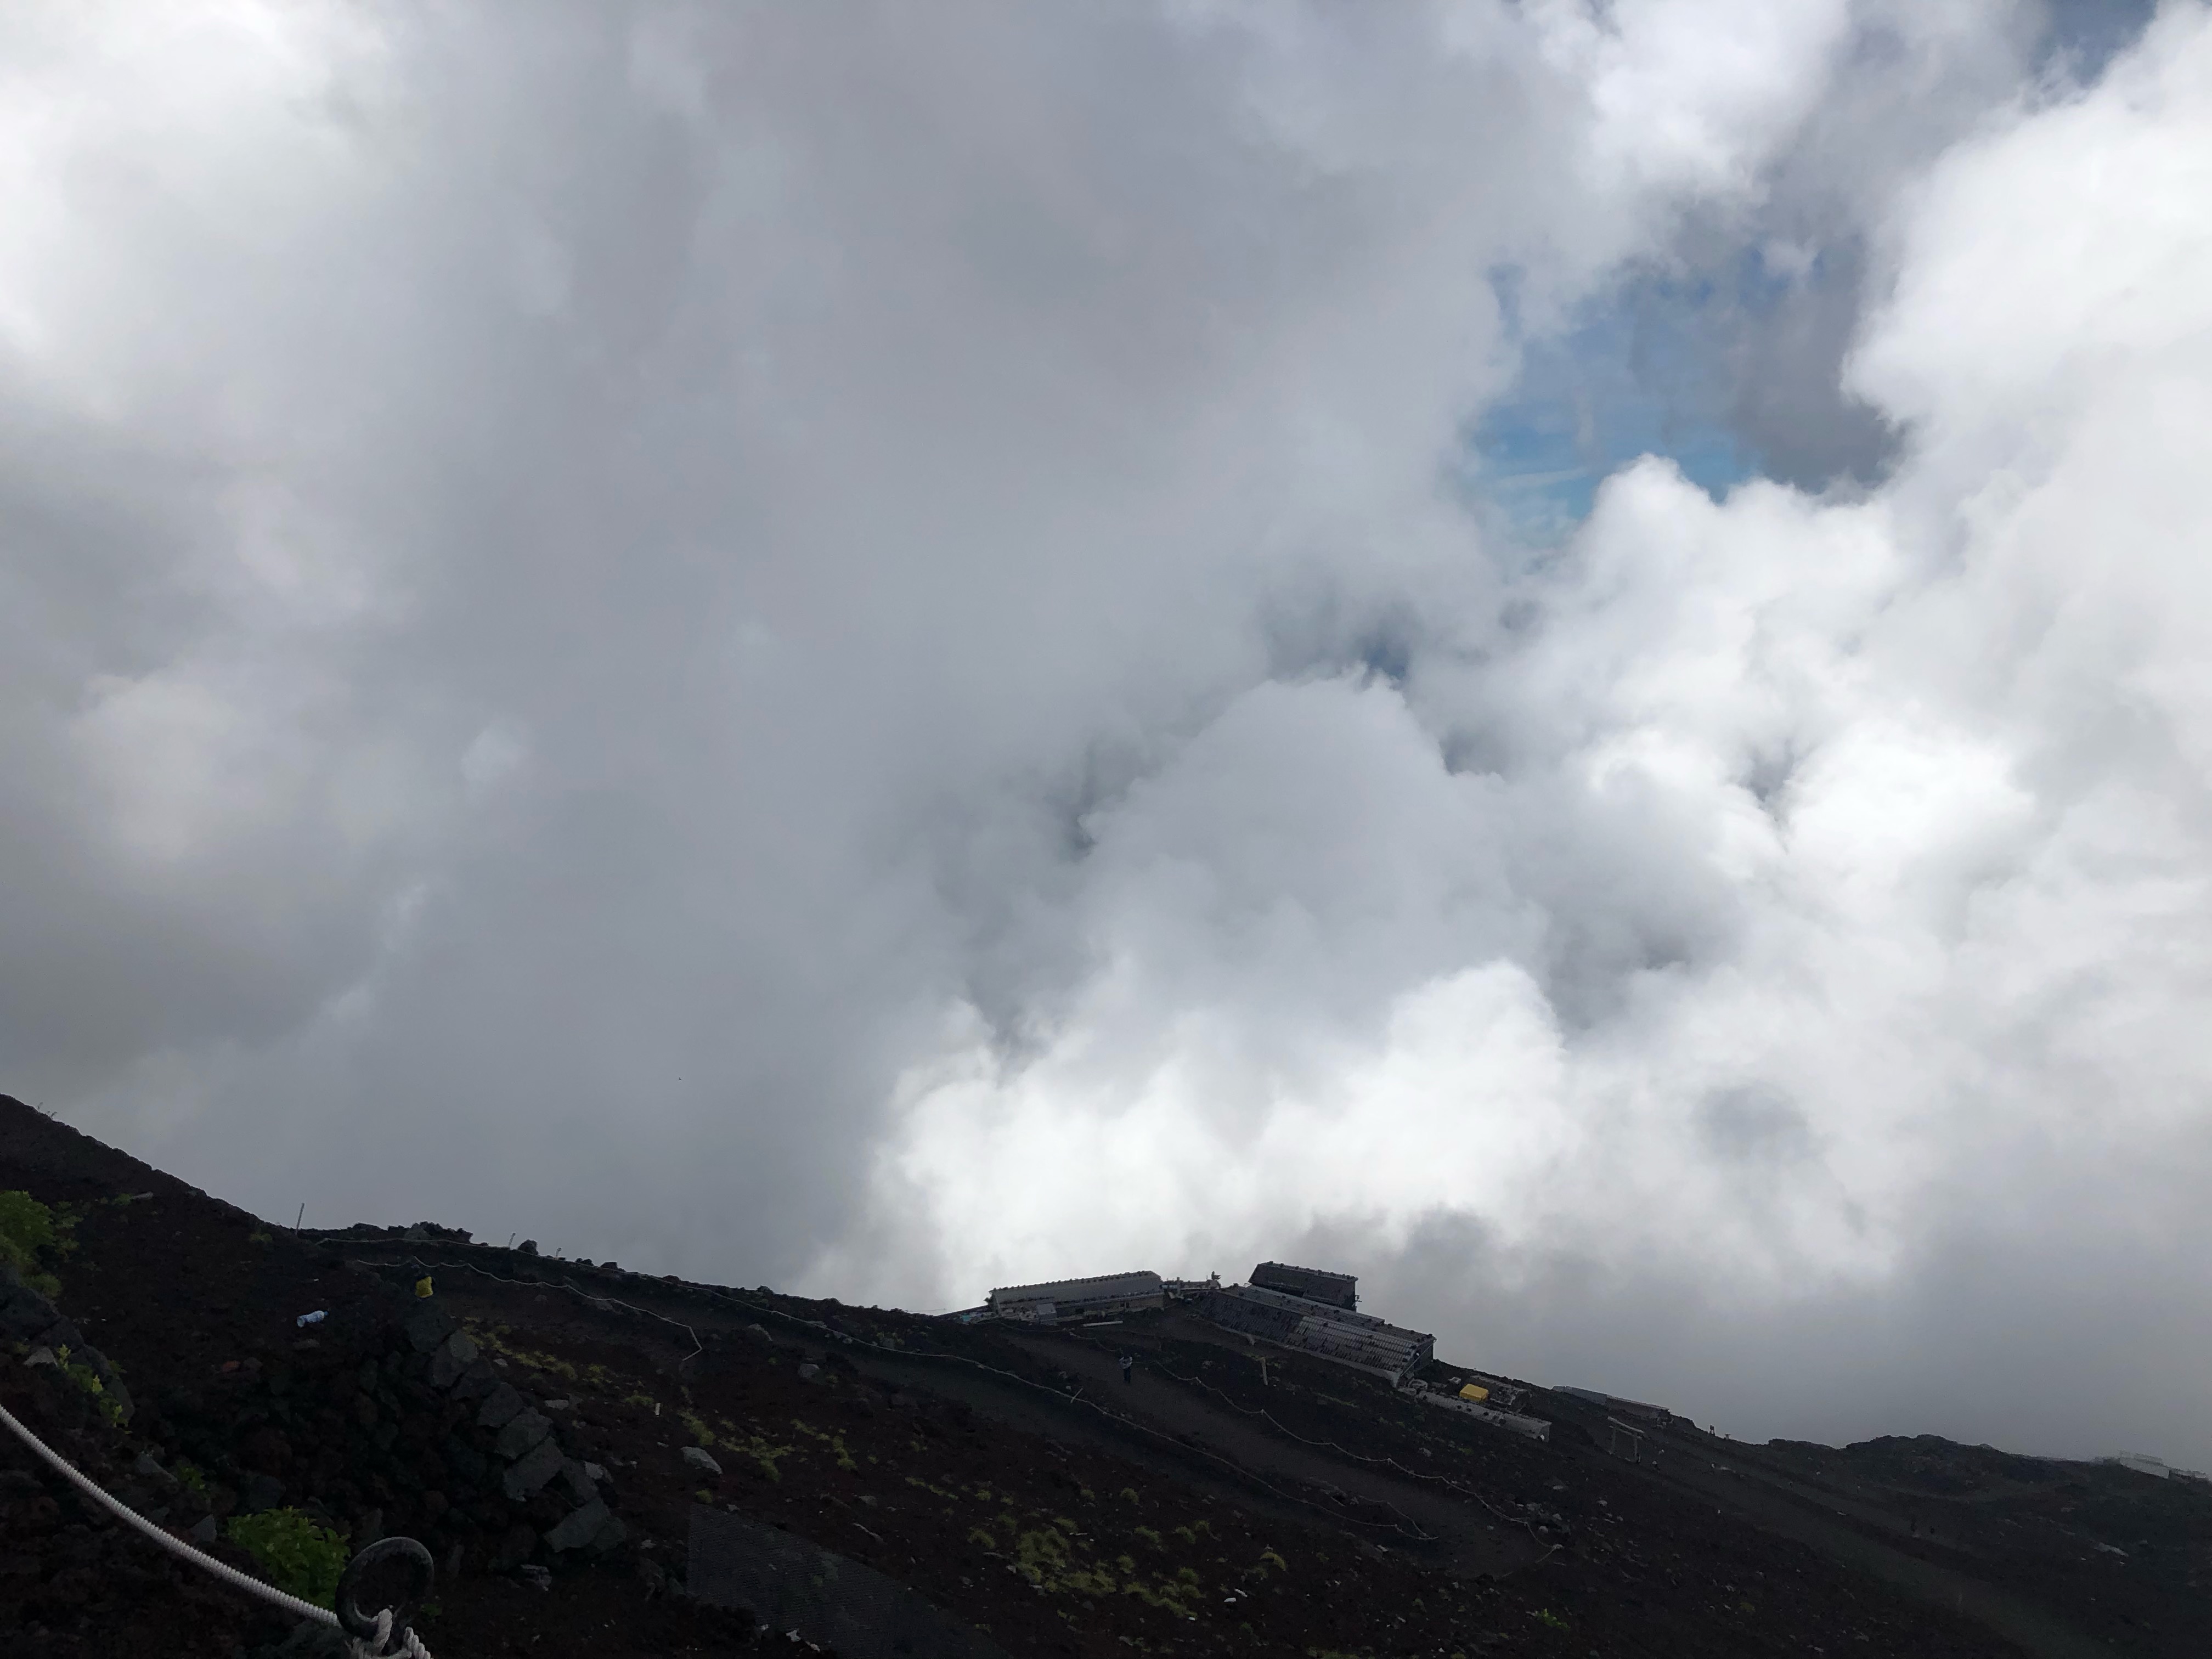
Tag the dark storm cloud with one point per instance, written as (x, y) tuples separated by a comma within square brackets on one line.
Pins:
[(2081, 36)]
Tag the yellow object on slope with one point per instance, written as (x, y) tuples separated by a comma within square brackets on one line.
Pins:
[(422, 1285), (1472, 1391)]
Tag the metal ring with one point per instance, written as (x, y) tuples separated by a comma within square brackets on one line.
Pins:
[(383, 1553)]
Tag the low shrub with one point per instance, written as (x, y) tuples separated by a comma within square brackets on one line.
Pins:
[(300, 1558), (85, 1378), (27, 1228)]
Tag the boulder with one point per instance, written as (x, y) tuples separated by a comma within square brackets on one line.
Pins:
[(452, 1358), (429, 1325), (522, 1431), (696, 1458), (578, 1478), (531, 1471), (500, 1406), (24, 1312), (580, 1528), (474, 1384)]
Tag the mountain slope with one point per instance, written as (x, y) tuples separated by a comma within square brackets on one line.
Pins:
[(1009, 1477)]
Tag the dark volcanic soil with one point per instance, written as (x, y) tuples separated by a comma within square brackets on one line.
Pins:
[(1008, 1477)]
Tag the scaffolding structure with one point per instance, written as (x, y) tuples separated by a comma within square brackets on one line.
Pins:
[(1063, 1299), (1357, 1340)]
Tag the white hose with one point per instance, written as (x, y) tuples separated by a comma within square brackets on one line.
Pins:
[(177, 1547)]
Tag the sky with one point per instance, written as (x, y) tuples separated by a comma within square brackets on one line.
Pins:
[(1553, 653)]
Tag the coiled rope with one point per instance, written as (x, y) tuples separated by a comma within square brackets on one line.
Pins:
[(358, 1647)]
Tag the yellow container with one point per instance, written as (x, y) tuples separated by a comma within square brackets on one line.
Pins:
[(1474, 1391)]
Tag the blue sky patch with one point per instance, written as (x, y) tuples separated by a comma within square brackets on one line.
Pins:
[(1649, 368)]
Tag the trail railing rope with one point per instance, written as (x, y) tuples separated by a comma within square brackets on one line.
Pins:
[(367, 1636)]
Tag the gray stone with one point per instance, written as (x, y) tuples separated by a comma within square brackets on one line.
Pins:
[(579, 1480), (532, 1471), (24, 1312), (454, 1356), (42, 1357), (475, 1382), (612, 1536), (695, 1457), (499, 1406), (202, 1530), (580, 1528), (522, 1431), (809, 1371), (595, 1472), (429, 1325), (150, 1465)]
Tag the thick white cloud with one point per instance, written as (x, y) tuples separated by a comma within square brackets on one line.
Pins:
[(832, 641), (1691, 97), (1824, 900)]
